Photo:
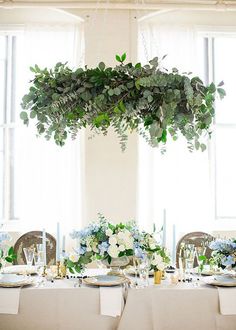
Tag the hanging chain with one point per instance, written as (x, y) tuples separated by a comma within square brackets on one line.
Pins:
[(140, 29)]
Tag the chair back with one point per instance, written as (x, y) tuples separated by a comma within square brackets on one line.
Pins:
[(30, 239), (197, 238)]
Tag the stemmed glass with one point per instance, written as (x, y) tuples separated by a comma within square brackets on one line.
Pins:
[(200, 254), (29, 255), (189, 255), (143, 269)]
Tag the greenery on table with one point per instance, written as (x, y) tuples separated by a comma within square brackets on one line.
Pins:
[(151, 101), (157, 254), (6, 254), (9, 257)]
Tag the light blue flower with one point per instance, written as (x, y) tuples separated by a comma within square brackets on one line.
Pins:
[(4, 237), (227, 261), (103, 247)]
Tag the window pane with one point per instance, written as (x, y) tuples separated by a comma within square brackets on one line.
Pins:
[(2, 77), (225, 163), (225, 69), (1, 174)]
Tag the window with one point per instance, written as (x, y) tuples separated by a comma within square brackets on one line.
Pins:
[(222, 54), (199, 188), (7, 122), (40, 182)]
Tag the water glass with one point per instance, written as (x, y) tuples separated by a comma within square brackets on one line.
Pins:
[(189, 255), (200, 252), (38, 259), (29, 255)]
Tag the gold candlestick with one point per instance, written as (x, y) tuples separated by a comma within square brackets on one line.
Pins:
[(44, 271), (58, 275)]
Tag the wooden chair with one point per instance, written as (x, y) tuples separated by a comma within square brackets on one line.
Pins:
[(196, 238), (30, 239)]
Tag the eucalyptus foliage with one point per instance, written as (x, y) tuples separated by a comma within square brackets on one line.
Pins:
[(146, 99)]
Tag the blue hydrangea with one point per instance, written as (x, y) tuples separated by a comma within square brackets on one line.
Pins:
[(227, 261), (224, 246), (103, 247), (4, 237)]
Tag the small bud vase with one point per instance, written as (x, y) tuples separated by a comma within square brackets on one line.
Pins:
[(157, 276)]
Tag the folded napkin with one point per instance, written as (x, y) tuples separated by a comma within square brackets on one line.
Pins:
[(111, 301), (227, 298), (9, 300)]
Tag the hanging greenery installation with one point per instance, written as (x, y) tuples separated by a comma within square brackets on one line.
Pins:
[(156, 103)]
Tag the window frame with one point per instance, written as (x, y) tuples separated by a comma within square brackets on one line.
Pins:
[(210, 34)]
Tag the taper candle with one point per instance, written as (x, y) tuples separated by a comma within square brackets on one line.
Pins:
[(58, 243), (164, 229), (174, 245), (44, 248)]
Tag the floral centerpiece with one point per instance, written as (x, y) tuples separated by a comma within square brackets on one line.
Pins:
[(102, 241), (224, 252), (158, 255), (6, 254)]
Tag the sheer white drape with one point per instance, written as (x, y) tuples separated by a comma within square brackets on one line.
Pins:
[(47, 177), (179, 180)]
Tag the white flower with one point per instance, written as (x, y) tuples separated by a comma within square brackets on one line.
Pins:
[(113, 251), (74, 257), (109, 232), (161, 266), (113, 240), (157, 259), (121, 236), (121, 248), (129, 245), (152, 246)]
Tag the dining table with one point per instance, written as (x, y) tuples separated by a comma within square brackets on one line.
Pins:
[(64, 305)]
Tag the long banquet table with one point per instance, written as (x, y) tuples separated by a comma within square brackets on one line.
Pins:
[(60, 306)]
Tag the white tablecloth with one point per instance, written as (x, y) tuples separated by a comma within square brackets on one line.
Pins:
[(60, 306)]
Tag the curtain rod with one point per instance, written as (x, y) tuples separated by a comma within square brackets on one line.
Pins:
[(217, 5)]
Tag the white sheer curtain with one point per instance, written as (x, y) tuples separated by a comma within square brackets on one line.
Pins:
[(47, 178), (179, 180)]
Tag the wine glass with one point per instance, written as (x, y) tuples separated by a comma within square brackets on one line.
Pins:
[(189, 255), (29, 255), (200, 254), (143, 269)]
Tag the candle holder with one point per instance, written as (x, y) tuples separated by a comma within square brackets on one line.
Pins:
[(58, 275), (44, 271)]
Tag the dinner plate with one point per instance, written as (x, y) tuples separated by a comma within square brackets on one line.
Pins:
[(14, 281), (206, 272), (20, 269), (226, 281), (105, 280)]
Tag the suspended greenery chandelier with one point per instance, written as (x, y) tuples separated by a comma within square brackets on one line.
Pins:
[(151, 101)]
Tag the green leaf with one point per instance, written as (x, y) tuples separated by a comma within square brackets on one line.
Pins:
[(212, 88), (221, 93), (33, 114), (86, 96), (102, 66), (23, 115), (123, 57), (118, 58), (10, 251)]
